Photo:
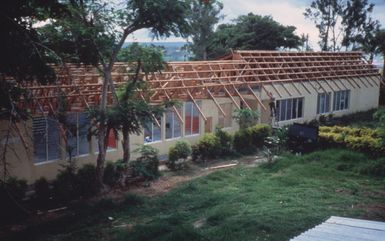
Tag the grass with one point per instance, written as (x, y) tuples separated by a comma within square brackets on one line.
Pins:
[(270, 202)]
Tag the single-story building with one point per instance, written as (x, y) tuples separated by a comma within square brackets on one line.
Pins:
[(304, 85)]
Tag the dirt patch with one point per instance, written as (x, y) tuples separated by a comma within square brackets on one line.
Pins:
[(373, 211)]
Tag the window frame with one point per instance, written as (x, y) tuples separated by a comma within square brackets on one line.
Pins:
[(173, 125), (342, 96), (297, 111), (326, 101), (194, 112), (152, 125), (46, 120)]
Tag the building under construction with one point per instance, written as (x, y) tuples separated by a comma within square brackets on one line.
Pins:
[(303, 86)]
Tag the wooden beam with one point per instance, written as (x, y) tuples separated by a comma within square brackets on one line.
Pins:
[(196, 105), (216, 102), (174, 108), (231, 97), (256, 97), (240, 96)]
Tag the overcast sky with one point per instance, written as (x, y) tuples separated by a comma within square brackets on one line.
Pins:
[(288, 12)]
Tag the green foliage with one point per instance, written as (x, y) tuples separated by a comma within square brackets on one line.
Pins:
[(150, 58), (42, 191), (206, 149), (375, 168), (111, 174), (225, 142), (86, 181), (246, 117), (147, 164), (64, 186), (178, 154), (242, 203), (252, 32), (202, 17), (16, 188), (246, 141), (359, 139)]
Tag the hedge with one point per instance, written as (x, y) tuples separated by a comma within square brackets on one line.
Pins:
[(359, 139)]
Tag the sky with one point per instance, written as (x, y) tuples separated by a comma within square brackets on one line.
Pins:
[(288, 12)]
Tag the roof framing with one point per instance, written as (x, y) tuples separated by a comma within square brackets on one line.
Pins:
[(236, 76)]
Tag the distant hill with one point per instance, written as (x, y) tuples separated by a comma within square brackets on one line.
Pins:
[(172, 50)]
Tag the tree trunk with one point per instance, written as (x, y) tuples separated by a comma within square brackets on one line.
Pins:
[(126, 146), (103, 132)]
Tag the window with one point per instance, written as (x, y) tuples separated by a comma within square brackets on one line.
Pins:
[(225, 121), (173, 124), (289, 109), (77, 130), (152, 132), (323, 103), (46, 139), (191, 119), (341, 100)]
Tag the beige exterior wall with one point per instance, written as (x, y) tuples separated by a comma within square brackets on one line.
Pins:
[(362, 98), (22, 165)]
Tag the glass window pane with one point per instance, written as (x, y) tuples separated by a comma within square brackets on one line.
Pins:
[(71, 133), (195, 120), (39, 139), (53, 144), (188, 118), (300, 107), (169, 124)]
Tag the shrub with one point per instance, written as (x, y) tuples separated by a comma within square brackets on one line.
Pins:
[(243, 141), (259, 133), (147, 164), (86, 183), (246, 117), (64, 186), (247, 140), (359, 139), (42, 191), (111, 174), (225, 142), (16, 187), (178, 154), (207, 148), (12, 191)]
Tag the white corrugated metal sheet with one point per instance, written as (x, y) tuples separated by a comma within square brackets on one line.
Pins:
[(345, 229)]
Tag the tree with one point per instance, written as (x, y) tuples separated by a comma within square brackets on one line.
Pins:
[(97, 31), (359, 27), (130, 113), (325, 14), (379, 43), (252, 32), (246, 117), (305, 46), (203, 16)]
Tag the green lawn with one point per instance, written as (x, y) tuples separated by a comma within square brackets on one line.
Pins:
[(270, 202)]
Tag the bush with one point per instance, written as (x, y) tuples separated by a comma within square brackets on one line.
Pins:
[(42, 191), (12, 191), (207, 148), (225, 142), (246, 117), (178, 154), (247, 140), (64, 186), (147, 165), (111, 174), (360, 139), (243, 142), (86, 183)]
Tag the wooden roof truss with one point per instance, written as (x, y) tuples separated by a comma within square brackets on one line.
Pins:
[(238, 77)]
